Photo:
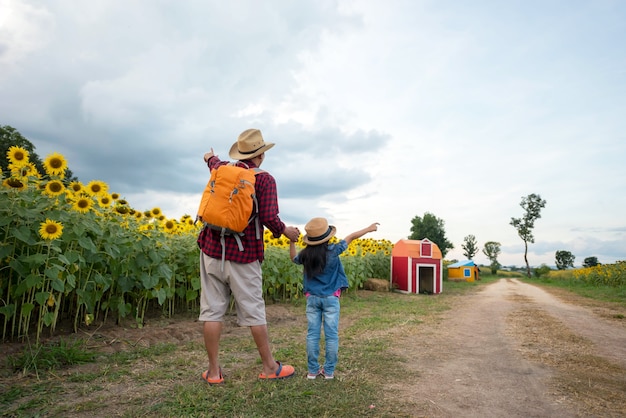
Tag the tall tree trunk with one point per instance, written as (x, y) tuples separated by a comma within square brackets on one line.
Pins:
[(526, 258)]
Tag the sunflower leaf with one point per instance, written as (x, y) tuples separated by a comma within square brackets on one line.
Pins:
[(8, 311), (42, 297), (160, 295), (148, 281), (35, 260), (87, 243), (58, 285), (23, 233), (125, 283)]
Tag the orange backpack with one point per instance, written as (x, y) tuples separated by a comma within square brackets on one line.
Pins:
[(229, 202)]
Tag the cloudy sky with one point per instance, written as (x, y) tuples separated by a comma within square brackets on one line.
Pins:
[(380, 110)]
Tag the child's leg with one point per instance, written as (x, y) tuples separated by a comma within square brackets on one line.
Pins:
[(314, 319), (331, 333)]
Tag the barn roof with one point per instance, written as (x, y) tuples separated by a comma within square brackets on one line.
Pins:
[(412, 248)]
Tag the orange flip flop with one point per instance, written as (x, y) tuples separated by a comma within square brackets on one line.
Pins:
[(218, 381), (282, 372)]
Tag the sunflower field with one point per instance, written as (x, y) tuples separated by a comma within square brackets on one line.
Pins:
[(613, 275), (80, 253)]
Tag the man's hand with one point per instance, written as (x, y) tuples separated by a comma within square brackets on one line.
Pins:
[(208, 155), (292, 233)]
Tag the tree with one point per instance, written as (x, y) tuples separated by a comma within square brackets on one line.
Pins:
[(470, 246), (532, 205), (9, 137), (432, 228), (564, 259), (590, 262), (542, 270), (492, 250)]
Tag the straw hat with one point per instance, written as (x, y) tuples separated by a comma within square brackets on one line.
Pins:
[(318, 231), (249, 145)]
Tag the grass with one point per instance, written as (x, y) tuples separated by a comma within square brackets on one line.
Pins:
[(51, 356), (164, 379), (565, 280)]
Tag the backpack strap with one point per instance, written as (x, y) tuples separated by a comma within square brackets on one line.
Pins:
[(237, 237), (257, 223)]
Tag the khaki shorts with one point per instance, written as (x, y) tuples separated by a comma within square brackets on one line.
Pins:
[(244, 281)]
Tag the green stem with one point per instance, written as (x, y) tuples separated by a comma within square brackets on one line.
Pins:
[(45, 288), (57, 306), (9, 283), (78, 302)]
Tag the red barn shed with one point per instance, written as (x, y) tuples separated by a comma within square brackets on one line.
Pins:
[(416, 267)]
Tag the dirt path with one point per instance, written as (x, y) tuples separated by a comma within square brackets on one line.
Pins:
[(514, 350)]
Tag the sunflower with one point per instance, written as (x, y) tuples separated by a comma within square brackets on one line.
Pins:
[(54, 188), (156, 212), (122, 202), (146, 227), (82, 204), (169, 226), (121, 209), (77, 187), (55, 164), (138, 214), (25, 170), (96, 187), (51, 229), (148, 214), (115, 196), (105, 200), (14, 183), (17, 155)]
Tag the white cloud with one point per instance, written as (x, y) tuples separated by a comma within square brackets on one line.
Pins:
[(380, 111), (23, 30)]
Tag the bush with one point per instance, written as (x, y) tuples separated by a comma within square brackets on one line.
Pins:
[(542, 270)]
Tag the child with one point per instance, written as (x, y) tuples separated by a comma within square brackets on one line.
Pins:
[(324, 279)]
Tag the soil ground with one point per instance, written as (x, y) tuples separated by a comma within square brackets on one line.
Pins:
[(515, 350), (509, 350)]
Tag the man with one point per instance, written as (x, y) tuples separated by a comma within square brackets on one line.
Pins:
[(240, 271)]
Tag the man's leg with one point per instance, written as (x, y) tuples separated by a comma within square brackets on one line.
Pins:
[(247, 287), (262, 341), (212, 332), (214, 300)]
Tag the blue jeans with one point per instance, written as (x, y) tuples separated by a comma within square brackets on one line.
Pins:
[(322, 310)]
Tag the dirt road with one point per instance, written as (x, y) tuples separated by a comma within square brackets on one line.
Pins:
[(514, 350)]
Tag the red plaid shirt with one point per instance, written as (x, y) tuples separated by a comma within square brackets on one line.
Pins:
[(253, 249)]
